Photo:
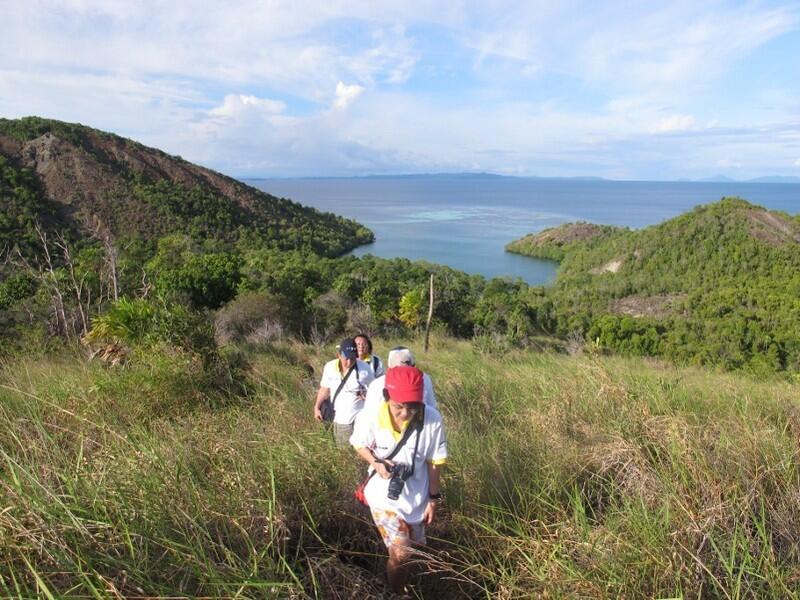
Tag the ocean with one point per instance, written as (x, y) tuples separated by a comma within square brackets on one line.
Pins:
[(465, 221)]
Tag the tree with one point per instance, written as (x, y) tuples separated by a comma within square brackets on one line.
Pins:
[(410, 309)]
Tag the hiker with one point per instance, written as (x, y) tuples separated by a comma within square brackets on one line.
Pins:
[(364, 346), (342, 390), (399, 355), (404, 443)]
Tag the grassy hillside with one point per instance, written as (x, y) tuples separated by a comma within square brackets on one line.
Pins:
[(582, 477), (717, 285)]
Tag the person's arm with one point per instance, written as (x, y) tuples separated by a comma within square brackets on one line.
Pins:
[(435, 490), (380, 466), (435, 459), (322, 394)]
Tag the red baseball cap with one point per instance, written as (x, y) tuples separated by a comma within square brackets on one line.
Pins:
[(404, 384)]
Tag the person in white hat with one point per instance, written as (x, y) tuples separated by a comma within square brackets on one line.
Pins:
[(399, 355)]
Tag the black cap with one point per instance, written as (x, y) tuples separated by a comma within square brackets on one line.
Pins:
[(348, 348)]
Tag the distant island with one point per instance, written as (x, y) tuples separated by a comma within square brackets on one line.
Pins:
[(767, 179), (456, 175), (482, 175)]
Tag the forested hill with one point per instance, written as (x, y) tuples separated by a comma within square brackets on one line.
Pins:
[(719, 284), (72, 178)]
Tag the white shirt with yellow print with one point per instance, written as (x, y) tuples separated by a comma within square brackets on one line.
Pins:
[(351, 397), (374, 430)]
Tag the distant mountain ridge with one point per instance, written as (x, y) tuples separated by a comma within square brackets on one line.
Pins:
[(482, 175), (85, 180), (715, 179), (775, 179), (455, 175), (765, 179)]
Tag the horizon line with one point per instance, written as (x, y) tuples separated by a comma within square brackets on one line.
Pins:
[(771, 179)]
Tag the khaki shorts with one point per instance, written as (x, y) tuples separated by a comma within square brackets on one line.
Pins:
[(342, 433), (394, 530)]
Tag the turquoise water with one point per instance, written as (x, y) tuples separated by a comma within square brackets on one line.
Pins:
[(465, 222)]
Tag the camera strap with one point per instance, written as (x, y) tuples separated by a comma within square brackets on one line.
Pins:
[(342, 382), (407, 434), (420, 421)]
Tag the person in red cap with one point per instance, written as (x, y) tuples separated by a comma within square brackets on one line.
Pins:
[(403, 440)]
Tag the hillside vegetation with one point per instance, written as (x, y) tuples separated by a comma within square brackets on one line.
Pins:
[(98, 234), (556, 242), (100, 184), (717, 285), (569, 477), (97, 227)]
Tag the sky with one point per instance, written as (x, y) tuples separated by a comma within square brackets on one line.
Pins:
[(623, 90)]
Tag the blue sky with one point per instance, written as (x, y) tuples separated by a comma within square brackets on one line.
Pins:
[(647, 90)]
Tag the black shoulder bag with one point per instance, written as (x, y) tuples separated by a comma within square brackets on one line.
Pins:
[(326, 408)]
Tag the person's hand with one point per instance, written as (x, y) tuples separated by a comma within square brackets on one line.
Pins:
[(318, 413), (383, 468), (430, 512)]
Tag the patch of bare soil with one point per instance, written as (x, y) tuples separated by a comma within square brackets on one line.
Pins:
[(658, 307), (611, 266), (566, 234), (771, 228)]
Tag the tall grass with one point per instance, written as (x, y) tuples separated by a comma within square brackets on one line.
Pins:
[(581, 477)]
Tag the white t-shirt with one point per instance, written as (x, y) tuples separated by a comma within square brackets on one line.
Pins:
[(375, 392), (351, 397), (375, 431), (376, 364)]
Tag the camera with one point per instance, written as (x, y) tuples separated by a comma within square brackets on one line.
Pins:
[(400, 473)]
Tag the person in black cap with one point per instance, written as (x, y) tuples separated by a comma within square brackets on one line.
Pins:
[(342, 390)]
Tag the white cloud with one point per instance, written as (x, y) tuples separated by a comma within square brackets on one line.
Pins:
[(797, 163), (679, 42), (346, 95), (674, 123), (516, 87), (531, 69), (278, 44), (236, 103), (727, 163)]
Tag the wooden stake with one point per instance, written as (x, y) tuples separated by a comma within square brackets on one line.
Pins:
[(430, 316)]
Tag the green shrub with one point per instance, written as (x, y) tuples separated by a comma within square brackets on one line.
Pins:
[(126, 321), (253, 316)]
